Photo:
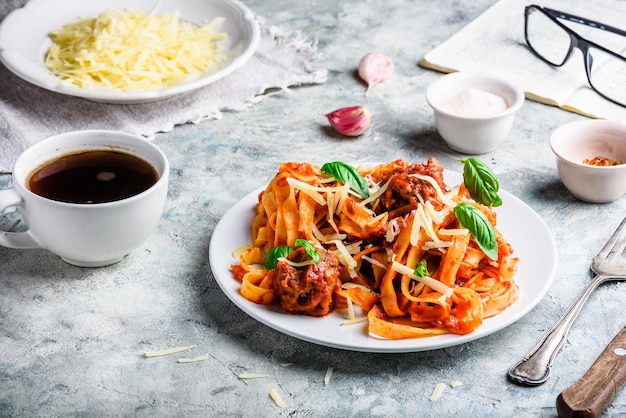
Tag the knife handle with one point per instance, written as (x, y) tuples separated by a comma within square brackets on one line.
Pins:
[(590, 396)]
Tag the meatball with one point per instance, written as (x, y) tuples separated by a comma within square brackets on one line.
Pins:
[(405, 190), (307, 290)]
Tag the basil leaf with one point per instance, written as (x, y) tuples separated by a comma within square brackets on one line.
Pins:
[(348, 175), (481, 182), (310, 250), (271, 261), (422, 269), (480, 228)]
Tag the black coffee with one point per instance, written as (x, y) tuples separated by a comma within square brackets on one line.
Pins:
[(93, 176)]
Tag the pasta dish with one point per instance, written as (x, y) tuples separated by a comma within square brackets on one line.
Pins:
[(417, 257)]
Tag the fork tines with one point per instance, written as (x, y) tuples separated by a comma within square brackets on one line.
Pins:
[(616, 244)]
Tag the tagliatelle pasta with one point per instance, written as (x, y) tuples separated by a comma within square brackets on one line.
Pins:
[(399, 252)]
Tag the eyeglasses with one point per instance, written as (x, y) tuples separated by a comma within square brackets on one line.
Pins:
[(554, 42)]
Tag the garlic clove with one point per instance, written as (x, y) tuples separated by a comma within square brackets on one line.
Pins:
[(350, 121), (374, 68)]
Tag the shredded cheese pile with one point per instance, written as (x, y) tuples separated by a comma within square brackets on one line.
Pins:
[(133, 51)]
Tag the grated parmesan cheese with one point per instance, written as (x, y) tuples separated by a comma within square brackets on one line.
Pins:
[(373, 262), (428, 281), (168, 351), (133, 51), (330, 198), (376, 194), (312, 191), (203, 357), (352, 319), (329, 373), (437, 217), (437, 392), (345, 257), (433, 183), (415, 228), (393, 229), (427, 224), (251, 376), (277, 399)]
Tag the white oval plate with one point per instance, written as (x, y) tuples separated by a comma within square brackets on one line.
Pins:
[(24, 40), (530, 238)]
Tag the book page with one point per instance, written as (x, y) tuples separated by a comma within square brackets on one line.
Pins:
[(494, 44)]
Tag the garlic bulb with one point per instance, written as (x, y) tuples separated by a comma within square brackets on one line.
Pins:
[(350, 121), (374, 68)]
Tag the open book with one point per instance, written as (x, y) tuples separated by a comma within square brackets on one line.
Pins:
[(494, 44)]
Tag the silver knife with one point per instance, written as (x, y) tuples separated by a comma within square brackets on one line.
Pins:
[(590, 395)]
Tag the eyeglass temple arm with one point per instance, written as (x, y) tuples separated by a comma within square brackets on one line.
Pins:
[(583, 21)]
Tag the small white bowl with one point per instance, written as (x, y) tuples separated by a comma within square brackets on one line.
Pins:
[(574, 142), (473, 112)]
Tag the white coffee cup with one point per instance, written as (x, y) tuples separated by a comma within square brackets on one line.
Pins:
[(87, 235)]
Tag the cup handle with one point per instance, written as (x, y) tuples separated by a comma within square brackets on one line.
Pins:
[(19, 240)]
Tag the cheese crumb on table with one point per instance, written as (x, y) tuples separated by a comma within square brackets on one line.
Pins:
[(168, 351), (437, 392), (329, 373), (277, 399), (251, 376), (203, 357)]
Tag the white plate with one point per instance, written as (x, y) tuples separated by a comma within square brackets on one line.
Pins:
[(24, 40), (530, 238)]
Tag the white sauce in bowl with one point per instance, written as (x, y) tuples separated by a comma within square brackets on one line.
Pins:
[(474, 102)]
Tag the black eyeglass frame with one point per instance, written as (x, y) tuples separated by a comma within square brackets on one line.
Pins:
[(576, 41)]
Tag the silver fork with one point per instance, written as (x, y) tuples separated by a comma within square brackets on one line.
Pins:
[(609, 265)]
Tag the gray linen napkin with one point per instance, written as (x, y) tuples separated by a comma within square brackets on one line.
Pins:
[(29, 114)]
